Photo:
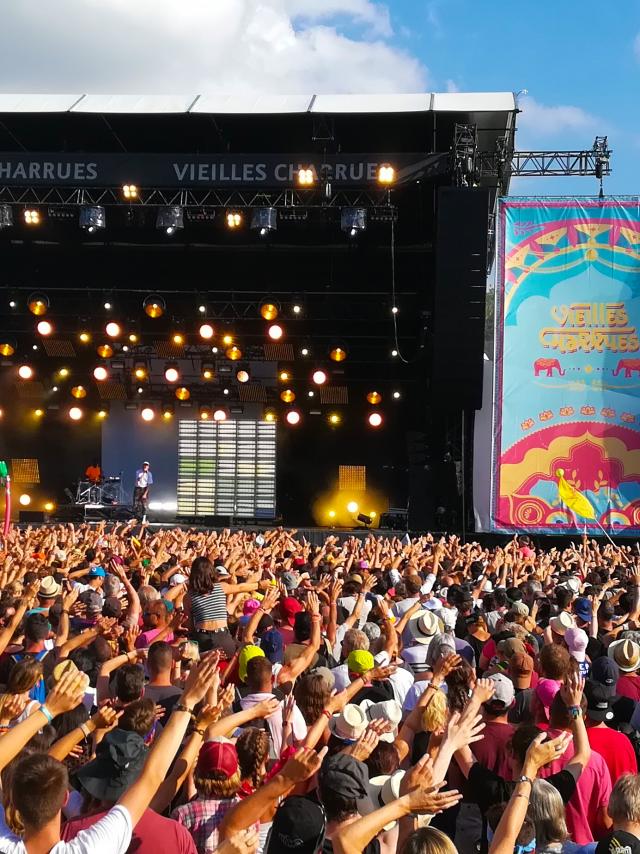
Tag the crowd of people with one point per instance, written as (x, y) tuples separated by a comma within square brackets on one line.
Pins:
[(233, 692)]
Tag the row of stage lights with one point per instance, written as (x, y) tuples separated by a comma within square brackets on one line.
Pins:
[(170, 218)]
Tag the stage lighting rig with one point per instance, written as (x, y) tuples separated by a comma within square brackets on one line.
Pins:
[(353, 221), (154, 306), (170, 218), (6, 217), (92, 218), (264, 220), (38, 304)]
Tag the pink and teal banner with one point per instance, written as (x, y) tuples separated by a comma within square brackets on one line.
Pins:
[(567, 382)]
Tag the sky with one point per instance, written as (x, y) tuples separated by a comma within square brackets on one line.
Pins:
[(578, 62)]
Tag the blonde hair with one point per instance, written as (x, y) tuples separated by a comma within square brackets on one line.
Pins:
[(546, 811), (435, 714), (624, 803), (217, 786), (429, 840)]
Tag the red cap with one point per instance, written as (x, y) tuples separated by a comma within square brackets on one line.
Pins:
[(290, 607), (218, 756), (299, 561)]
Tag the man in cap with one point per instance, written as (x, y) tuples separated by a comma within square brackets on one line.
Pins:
[(583, 609), (520, 671), (491, 751), (298, 826), (577, 641), (614, 747)]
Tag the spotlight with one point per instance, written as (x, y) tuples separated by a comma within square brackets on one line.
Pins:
[(396, 395), (79, 391), (304, 351), (375, 419), (102, 414), (319, 377), (220, 415), (305, 176), (38, 304), (75, 413), (353, 220), (140, 390), (84, 337), (338, 354), (113, 329), (234, 353), (167, 411), (275, 332), (7, 346), (183, 393), (386, 174), (264, 220), (287, 395), (331, 514), (31, 216), (54, 388), (394, 353), (205, 413), (227, 340), (44, 328), (269, 415), (49, 506), (364, 519), (225, 391), (38, 413), (25, 500), (374, 397), (63, 373), (130, 191), (154, 306), (293, 417), (107, 306), (394, 309), (133, 338), (92, 218), (12, 303), (170, 218), (25, 372), (208, 371), (373, 514), (100, 373), (140, 371), (214, 349), (311, 394), (105, 351), (242, 376), (148, 413), (352, 507), (178, 339), (234, 219), (334, 419), (296, 309), (6, 218), (284, 376), (206, 331), (172, 374), (202, 309), (269, 310)]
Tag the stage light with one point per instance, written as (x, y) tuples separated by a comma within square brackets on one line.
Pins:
[(38, 413), (284, 376), (296, 309), (374, 419), (7, 346), (6, 217), (386, 174), (49, 506), (208, 371), (202, 309), (102, 413), (304, 351), (374, 397), (205, 413), (206, 331), (130, 191), (394, 309), (352, 507), (234, 353), (178, 339), (113, 329), (167, 411), (84, 337), (38, 304), (105, 351), (75, 413), (171, 374), (183, 393), (25, 372), (79, 391), (140, 371), (214, 350), (133, 338), (227, 340), (170, 219), (394, 353), (54, 388), (154, 306), (242, 376), (25, 500), (334, 419), (311, 394), (92, 218), (305, 177), (275, 332), (140, 390), (63, 373), (372, 514), (12, 303), (319, 377), (287, 395), (148, 413), (234, 219), (338, 354), (220, 415), (35, 347), (353, 220), (293, 417), (332, 514), (396, 395), (225, 391), (31, 216), (269, 415), (107, 306), (264, 220), (364, 519), (44, 328), (269, 311), (100, 373)]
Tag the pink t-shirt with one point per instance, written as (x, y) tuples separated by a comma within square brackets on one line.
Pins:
[(145, 639)]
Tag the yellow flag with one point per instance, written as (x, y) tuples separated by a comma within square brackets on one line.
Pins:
[(574, 500)]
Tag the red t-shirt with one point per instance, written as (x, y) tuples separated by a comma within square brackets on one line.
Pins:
[(491, 750), (628, 686), (616, 750), (153, 834)]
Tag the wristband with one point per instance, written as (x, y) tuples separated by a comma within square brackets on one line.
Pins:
[(327, 714), (180, 707), (574, 711), (199, 730), (45, 711), (525, 779), (85, 730)]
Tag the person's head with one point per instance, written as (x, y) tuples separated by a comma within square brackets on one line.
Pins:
[(217, 771), (546, 811), (384, 759), (147, 594), (252, 748), (145, 466), (36, 628), (37, 792), (24, 675), (342, 782), (129, 683), (139, 717), (459, 682), (259, 675), (559, 716), (624, 803), (111, 586), (95, 577), (564, 597), (428, 840), (354, 639), (155, 615), (311, 693), (434, 717), (555, 661), (504, 695), (302, 626), (519, 744), (160, 658), (203, 576), (531, 589)]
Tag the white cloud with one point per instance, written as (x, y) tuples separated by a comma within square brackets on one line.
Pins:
[(541, 120), (159, 46), (452, 86)]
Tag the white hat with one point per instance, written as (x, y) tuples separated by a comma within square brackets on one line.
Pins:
[(387, 710), (177, 578), (383, 790), (146, 463), (349, 724), (423, 625), (561, 623), (626, 654), (449, 617), (222, 570)]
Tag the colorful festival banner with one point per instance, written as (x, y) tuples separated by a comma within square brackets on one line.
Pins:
[(567, 375)]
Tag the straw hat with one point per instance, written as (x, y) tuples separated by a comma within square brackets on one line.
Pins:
[(387, 710), (561, 623), (383, 790), (626, 654), (423, 625), (349, 724)]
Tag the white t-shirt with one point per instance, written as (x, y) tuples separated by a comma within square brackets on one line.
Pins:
[(112, 833)]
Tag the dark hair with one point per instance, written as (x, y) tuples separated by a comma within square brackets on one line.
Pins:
[(514, 594), (203, 576), (68, 721), (521, 739), (39, 786), (527, 831), (383, 760), (302, 626), (336, 805), (500, 596), (259, 669), (36, 628), (139, 717), (401, 590), (252, 748), (554, 661), (311, 692), (160, 656), (563, 597), (129, 683), (458, 684), (413, 586)]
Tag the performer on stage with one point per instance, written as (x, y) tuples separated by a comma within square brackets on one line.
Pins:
[(93, 473), (144, 479)]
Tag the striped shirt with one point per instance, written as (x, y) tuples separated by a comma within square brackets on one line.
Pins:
[(209, 606)]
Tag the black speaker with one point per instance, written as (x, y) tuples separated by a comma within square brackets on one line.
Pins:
[(32, 516), (459, 299)]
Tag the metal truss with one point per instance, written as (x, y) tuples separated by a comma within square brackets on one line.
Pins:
[(543, 163)]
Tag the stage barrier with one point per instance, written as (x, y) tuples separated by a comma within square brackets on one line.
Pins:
[(567, 370)]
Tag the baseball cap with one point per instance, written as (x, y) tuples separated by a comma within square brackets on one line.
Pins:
[(112, 607), (576, 641), (546, 690), (246, 654), (561, 623), (92, 600), (626, 654), (218, 755), (146, 463), (619, 842), (290, 607), (97, 572), (521, 668), (504, 693), (177, 578), (221, 570), (606, 672), (598, 701), (520, 608), (120, 757), (360, 661), (582, 609), (298, 826), (273, 646), (510, 647)]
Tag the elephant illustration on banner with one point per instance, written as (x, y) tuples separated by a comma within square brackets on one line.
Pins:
[(547, 366), (628, 366)]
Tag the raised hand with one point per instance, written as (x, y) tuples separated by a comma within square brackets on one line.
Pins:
[(12, 706), (313, 603), (365, 745), (67, 693), (200, 679), (541, 752), (463, 730), (380, 673), (571, 691), (266, 708), (443, 667), (243, 842), (105, 718), (303, 764), (484, 690)]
